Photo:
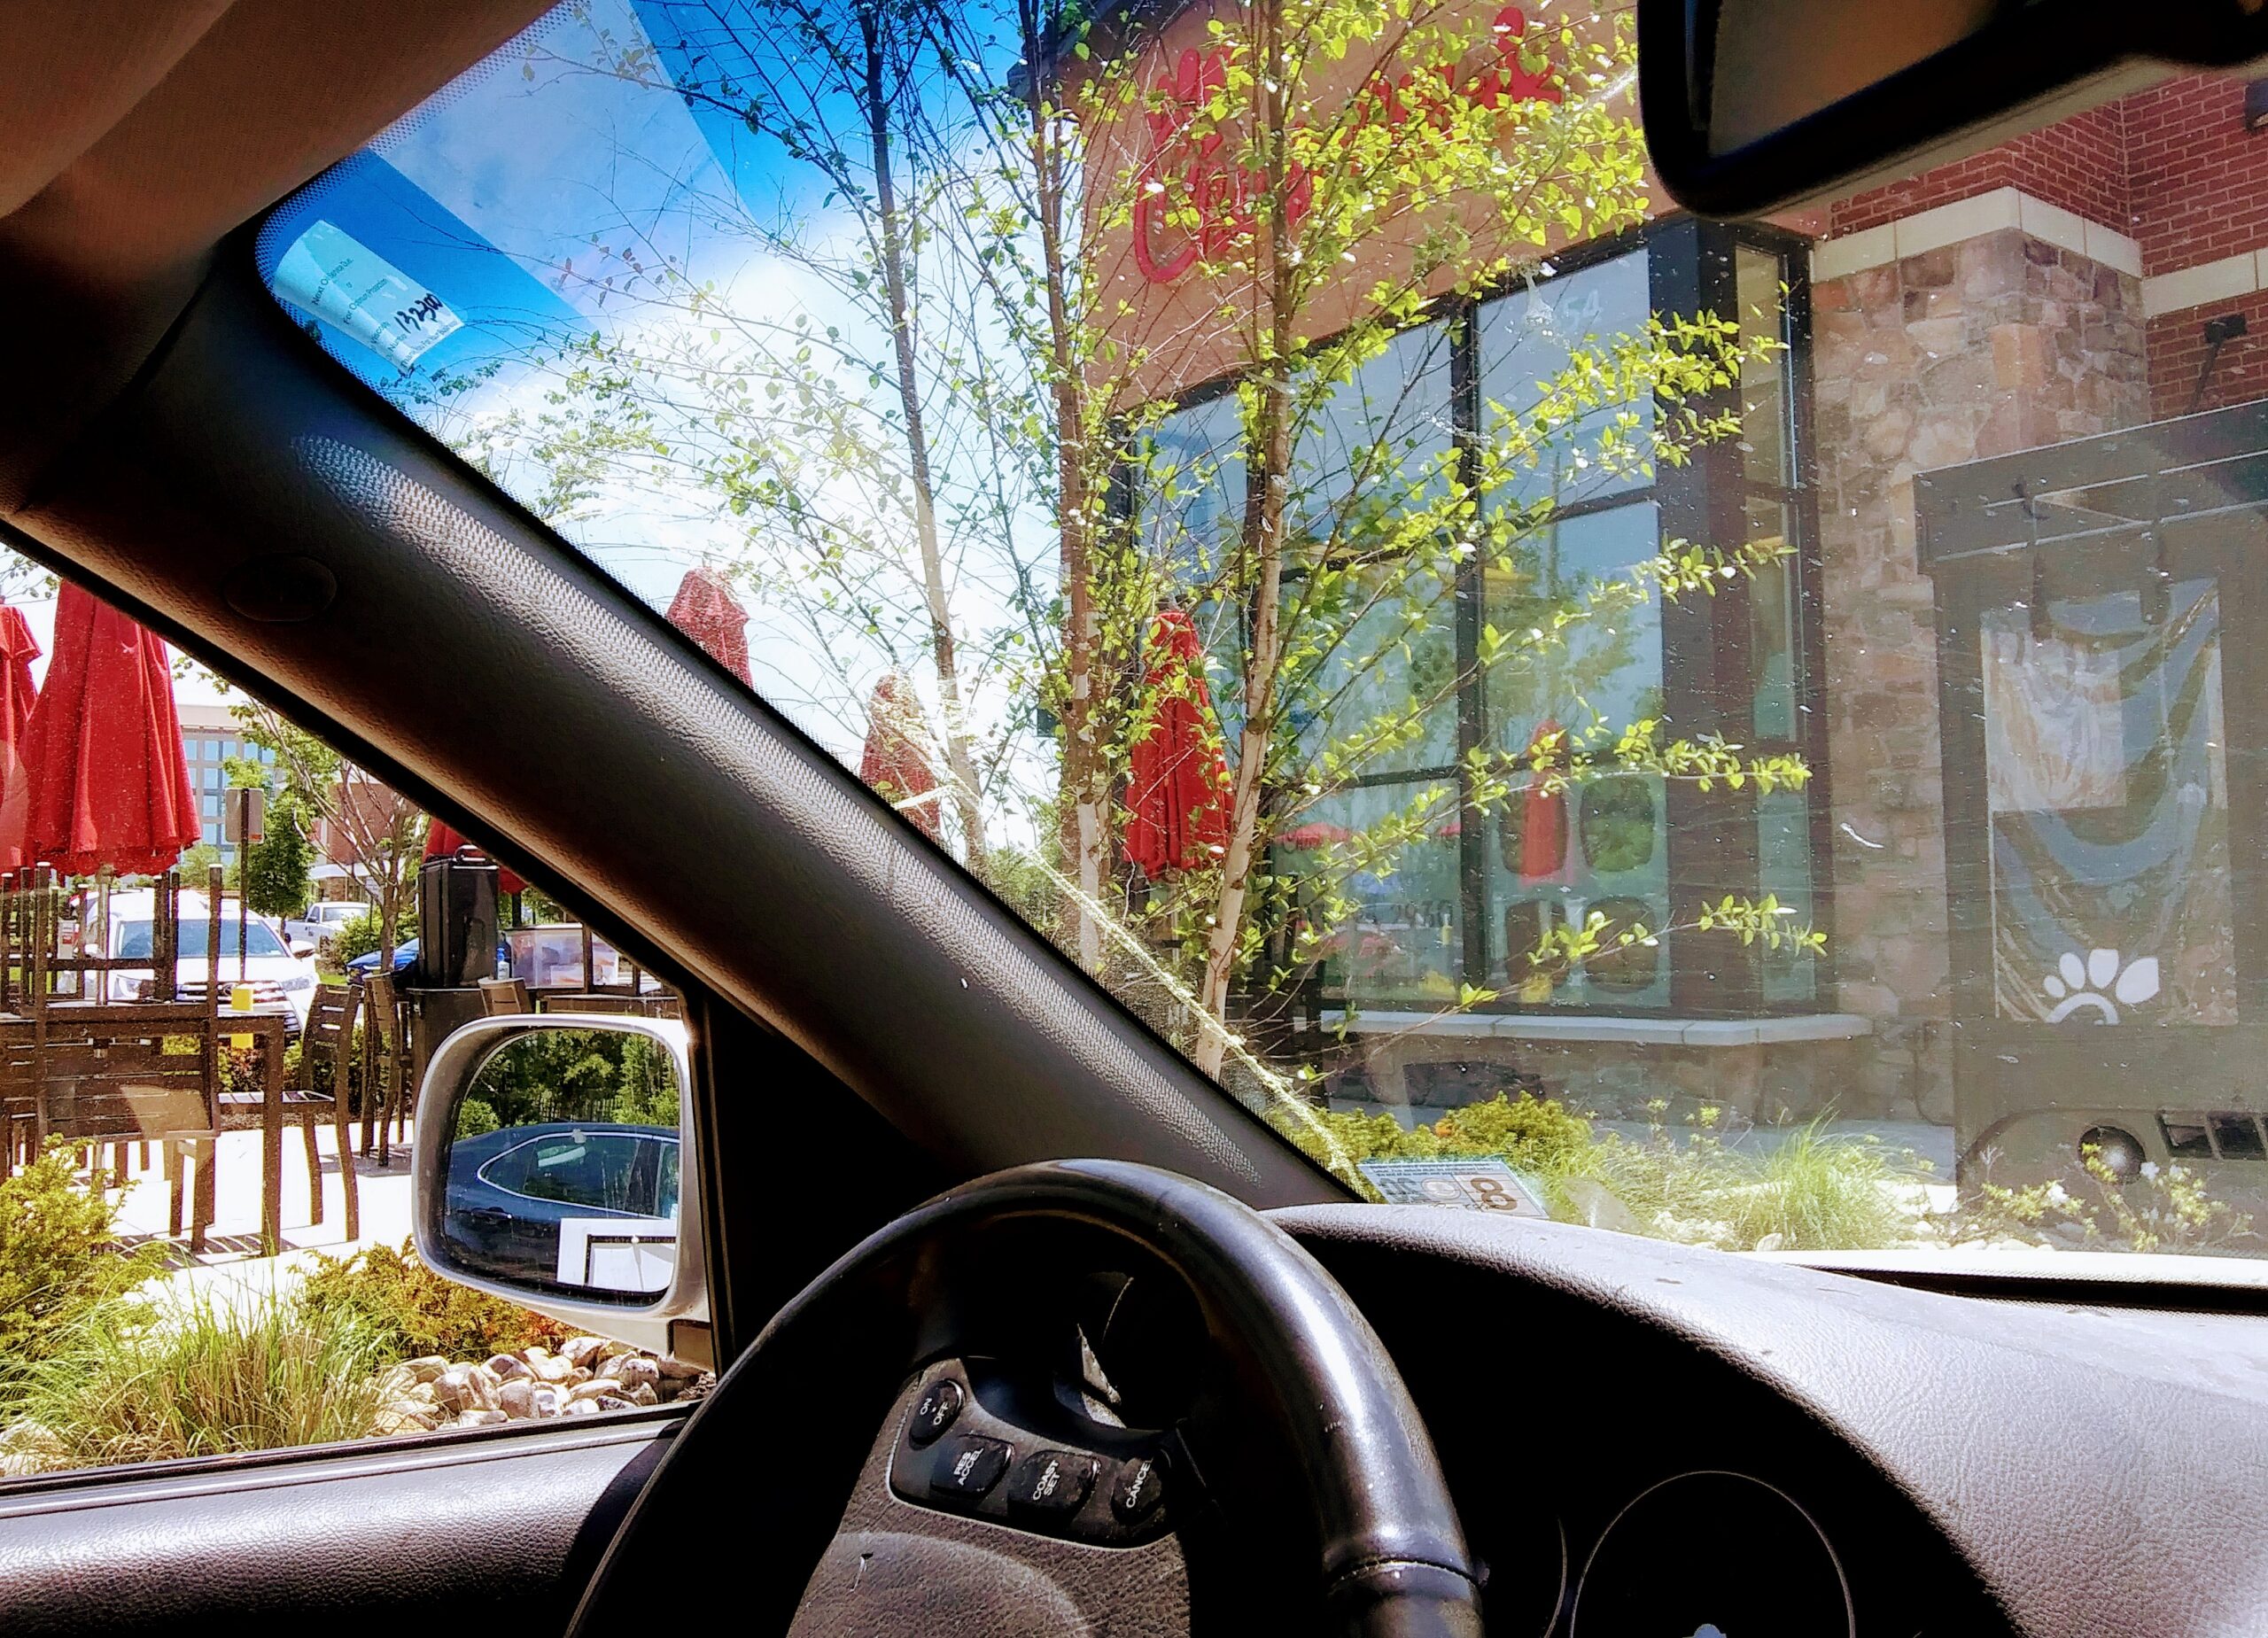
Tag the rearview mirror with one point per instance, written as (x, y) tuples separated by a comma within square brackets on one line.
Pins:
[(1752, 106), (553, 1166)]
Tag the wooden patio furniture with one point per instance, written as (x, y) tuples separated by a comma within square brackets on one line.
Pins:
[(326, 1045), (385, 1068), (502, 997)]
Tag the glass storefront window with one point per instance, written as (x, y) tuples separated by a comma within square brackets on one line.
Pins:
[(1783, 853), (1607, 672), (1772, 624), (1403, 942), (1527, 337), (1376, 444), (1764, 400), (1398, 651), (1192, 482)]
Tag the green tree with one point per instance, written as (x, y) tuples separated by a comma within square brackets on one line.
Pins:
[(381, 834)]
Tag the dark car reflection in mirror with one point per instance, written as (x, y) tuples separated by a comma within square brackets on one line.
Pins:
[(562, 1169)]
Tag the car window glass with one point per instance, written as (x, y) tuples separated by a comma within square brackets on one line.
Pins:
[(160, 1297), (1731, 731)]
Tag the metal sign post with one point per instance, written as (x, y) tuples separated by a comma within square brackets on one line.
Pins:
[(244, 822)]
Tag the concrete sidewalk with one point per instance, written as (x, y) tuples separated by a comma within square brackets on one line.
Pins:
[(234, 1236)]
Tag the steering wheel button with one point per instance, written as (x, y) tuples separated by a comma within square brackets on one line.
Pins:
[(936, 1410), (1053, 1481), (969, 1465), (1140, 1488)]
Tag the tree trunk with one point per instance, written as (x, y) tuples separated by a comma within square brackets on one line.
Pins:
[(1084, 839), (1267, 475), (959, 763)]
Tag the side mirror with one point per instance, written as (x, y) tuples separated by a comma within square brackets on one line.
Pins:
[(553, 1166), (300, 949), (1752, 106)]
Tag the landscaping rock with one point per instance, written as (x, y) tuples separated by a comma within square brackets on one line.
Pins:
[(677, 1370), (634, 1371), (598, 1387), (404, 1416), (643, 1393), (426, 1369), (466, 1387), (583, 1351), (507, 1366), (579, 1408), (478, 1418), (546, 1366)]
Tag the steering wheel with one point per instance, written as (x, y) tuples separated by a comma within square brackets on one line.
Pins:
[(1008, 1493)]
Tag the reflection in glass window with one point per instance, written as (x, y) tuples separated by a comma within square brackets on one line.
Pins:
[(1399, 648), (1783, 870), (1404, 942), (1194, 473), (1375, 446), (1764, 440), (1527, 338), (1771, 621), (1607, 672)]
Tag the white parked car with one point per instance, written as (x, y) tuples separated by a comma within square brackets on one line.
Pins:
[(270, 965), (320, 924)]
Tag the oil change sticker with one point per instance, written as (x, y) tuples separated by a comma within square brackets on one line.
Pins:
[(332, 274)]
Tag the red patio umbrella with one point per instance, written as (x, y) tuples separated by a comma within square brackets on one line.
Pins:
[(705, 610), (18, 649), (894, 762), (1177, 796), (1543, 814), (442, 840), (1313, 834), (103, 751)]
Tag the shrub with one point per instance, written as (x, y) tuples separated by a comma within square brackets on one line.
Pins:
[(58, 1255), (475, 1118), (1530, 1134), (409, 1311), (192, 1378)]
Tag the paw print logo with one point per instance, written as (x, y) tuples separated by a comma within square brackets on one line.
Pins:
[(2077, 985)]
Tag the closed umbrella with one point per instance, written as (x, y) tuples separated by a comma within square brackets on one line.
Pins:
[(442, 842), (1177, 796), (1543, 815), (894, 763), (103, 751), (705, 610), (18, 649)]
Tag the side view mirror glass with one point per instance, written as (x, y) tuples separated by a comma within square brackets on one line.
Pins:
[(1753, 105), (553, 1166)]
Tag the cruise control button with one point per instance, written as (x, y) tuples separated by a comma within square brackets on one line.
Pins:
[(1140, 1488), (968, 1465), (1053, 1481), (937, 1409)]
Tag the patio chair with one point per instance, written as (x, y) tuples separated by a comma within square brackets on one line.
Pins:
[(324, 1045), (385, 1068)]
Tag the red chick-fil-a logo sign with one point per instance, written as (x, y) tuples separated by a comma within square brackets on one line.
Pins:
[(1194, 198)]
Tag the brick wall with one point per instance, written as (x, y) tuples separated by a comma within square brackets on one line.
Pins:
[(2081, 165), (2200, 179), (2177, 353)]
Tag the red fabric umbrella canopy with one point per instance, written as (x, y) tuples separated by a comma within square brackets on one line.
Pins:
[(1314, 834), (1543, 816), (894, 762), (103, 751), (705, 610), (442, 840), (1177, 796), (18, 649)]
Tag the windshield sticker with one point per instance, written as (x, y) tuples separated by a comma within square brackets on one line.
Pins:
[(1470, 1185), (330, 274)]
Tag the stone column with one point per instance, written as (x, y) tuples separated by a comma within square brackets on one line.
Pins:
[(1998, 342)]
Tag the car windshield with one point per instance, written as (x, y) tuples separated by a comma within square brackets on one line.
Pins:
[(1714, 730), (135, 939)]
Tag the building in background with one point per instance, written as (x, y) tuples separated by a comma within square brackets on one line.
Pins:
[(2098, 277), (211, 739)]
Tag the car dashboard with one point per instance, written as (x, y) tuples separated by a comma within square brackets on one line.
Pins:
[(1647, 1439)]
